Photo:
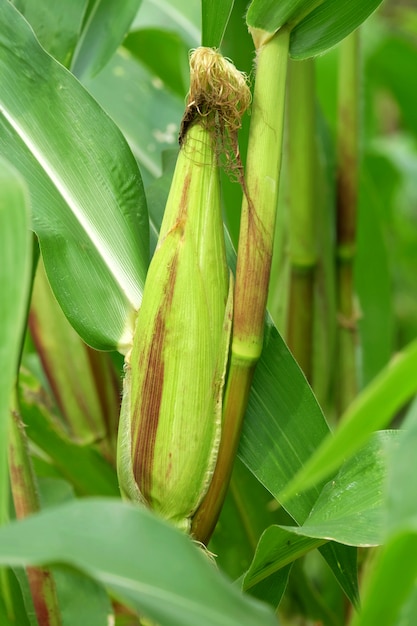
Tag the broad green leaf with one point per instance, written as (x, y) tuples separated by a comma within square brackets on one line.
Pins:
[(148, 115), (283, 424), (277, 548), (164, 54), (15, 262), (328, 24), (142, 560), (215, 15), (88, 205), (372, 409), (181, 16), (269, 15), (248, 510), (57, 25), (316, 25), (349, 510), (282, 428), (372, 271), (106, 25), (82, 600)]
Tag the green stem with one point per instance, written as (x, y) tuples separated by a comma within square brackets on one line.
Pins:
[(347, 192), (26, 502), (253, 264), (302, 200)]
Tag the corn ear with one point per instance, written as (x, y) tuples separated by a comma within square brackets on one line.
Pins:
[(171, 410), (171, 417)]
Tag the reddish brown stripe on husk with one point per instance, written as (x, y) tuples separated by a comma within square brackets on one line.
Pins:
[(150, 395), (151, 361)]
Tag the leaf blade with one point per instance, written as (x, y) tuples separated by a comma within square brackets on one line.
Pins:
[(89, 208)]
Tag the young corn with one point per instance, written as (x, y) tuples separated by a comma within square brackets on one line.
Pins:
[(171, 417)]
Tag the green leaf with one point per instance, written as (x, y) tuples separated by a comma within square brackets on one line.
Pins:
[(88, 204), (57, 25), (277, 548), (328, 24), (283, 424), (282, 428), (181, 16), (105, 27), (82, 600), (349, 510), (269, 15), (215, 16), (152, 124), (391, 580), (164, 54), (372, 409), (15, 262), (142, 560), (372, 272), (316, 25)]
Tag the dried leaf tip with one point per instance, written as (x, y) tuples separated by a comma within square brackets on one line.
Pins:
[(217, 87)]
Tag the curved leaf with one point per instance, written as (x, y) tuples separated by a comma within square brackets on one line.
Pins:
[(57, 25), (283, 424), (146, 563), (106, 25), (331, 22), (316, 25), (153, 123), (350, 510), (372, 409), (215, 16), (164, 53), (88, 203), (15, 262)]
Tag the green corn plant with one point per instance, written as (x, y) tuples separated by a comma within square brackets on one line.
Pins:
[(202, 428)]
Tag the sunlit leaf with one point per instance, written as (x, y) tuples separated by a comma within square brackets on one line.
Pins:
[(316, 25), (146, 563), (148, 115), (57, 25), (372, 409), (88, 205)]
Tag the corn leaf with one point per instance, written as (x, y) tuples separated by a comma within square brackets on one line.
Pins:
[(152, 124), (316, 25), (143, 561), (57, 25), (15, 261), (88, 205), (389, 586), (105, 27), (372, 409), (215, 16)]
